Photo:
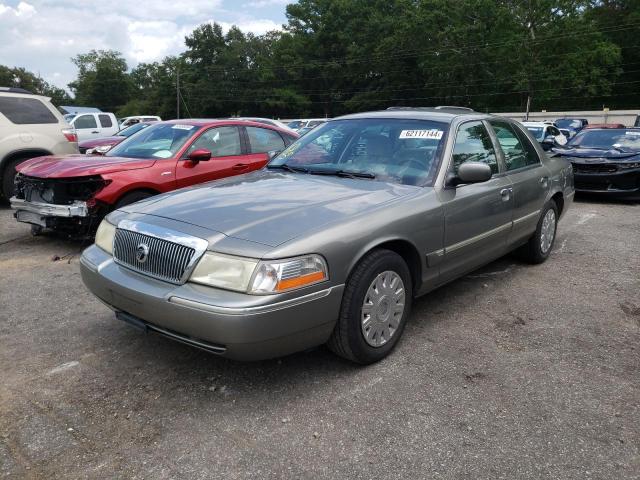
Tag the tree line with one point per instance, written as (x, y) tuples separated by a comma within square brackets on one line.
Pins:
[(339, 56)]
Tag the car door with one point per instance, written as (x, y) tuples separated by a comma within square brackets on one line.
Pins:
[(108, 126), (477, 217), (529, 177), (260, 142), (557, 134), (227, 157), (86, 126)]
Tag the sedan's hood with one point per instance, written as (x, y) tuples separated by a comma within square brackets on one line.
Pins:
[(98, 142), (272, 207), (595, 153), (65, 166)]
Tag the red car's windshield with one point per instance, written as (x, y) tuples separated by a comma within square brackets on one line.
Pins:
[(162, 140)]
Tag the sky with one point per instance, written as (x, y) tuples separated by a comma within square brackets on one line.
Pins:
[(43, 35)]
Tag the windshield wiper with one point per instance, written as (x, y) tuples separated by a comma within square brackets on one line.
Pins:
[(289, 168), (343, 173)]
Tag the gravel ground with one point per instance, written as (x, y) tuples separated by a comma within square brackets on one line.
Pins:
[(511, 372)]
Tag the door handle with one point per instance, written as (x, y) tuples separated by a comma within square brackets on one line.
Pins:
[(240, 166), (544, 181), (95, 131), (505, 193)]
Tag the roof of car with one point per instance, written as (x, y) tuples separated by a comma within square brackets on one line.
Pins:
[(442, 114), (205, 122), (15, 90), (536, 124)]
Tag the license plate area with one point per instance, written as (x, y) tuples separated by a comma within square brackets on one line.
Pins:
[(31, 217)]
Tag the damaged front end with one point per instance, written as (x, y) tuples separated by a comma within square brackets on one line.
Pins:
[(66, 205)]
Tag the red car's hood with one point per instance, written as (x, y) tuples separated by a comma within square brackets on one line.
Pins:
[(64, 166), (98, 142)]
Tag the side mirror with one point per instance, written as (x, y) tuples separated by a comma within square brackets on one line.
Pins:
[(200, 155), (471, 172), (273, 154)]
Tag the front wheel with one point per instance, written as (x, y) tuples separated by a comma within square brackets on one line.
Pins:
[(539, 246), (375, 308)]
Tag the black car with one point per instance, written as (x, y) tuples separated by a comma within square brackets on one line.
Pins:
[(605, 160)]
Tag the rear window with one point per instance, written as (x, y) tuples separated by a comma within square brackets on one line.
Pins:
[(26, 111), (263, 140), (105, 121)]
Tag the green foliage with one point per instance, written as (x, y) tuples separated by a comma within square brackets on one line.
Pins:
[(341, 56), (102, 80), (19, 77)]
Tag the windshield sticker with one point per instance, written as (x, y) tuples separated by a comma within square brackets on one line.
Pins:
[(162, 154), (432, 134), (182, 127)]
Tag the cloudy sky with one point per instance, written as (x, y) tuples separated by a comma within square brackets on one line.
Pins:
[(42, 35)]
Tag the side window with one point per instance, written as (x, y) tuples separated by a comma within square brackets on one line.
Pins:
[(473, 144), (554, 131), (105, 121), (531, 153), (514, 154), (85, 121), (263, 140), (221, 142), (26, 111)]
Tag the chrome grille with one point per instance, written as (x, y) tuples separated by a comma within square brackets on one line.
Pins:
[(165, 260)]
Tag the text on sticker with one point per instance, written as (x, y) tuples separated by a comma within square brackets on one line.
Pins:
[(434, 134), (182, 127)]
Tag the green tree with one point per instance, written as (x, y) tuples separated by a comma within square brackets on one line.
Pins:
[(102, 80), (20, 77)]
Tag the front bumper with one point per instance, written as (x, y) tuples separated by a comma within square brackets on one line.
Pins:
[(76, 209), (231, 324), (621, 182)]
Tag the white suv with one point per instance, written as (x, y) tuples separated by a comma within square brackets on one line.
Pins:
[(30, 126)]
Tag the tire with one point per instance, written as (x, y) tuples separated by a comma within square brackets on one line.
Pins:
[(534, 250), (8, 176), (348, 337), (36, 230), (132, 197)]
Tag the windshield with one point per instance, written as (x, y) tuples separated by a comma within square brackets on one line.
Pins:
[(537, 132), (389, 150), (568, 123), (295, 124), (157, 141), (128, 131), (607, 139)]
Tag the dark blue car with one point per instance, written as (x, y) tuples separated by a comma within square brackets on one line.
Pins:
[(605, 160), (573, 125)]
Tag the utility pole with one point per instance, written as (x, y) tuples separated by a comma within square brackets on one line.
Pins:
[(526, 118), (177, 93)]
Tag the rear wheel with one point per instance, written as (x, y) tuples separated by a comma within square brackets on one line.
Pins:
[(133, 197), (539, 246), (9, 175), (375, 308)]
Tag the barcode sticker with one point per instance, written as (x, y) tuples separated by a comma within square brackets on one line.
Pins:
[(432, 134)]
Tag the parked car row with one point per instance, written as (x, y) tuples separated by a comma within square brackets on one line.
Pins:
[(273, 242), (328, 242), (305, 124)]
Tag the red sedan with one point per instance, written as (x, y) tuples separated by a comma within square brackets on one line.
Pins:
[(72, 193)]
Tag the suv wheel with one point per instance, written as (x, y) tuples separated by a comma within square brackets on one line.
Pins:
[(375, 308), (8, 176)]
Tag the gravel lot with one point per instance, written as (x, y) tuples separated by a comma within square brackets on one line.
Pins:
[(511, 372)]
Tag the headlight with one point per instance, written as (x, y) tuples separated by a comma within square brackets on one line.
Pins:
[(101, 150), (274, 276), (104, 236), (224, 271), (629, 165), (259, 277)]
